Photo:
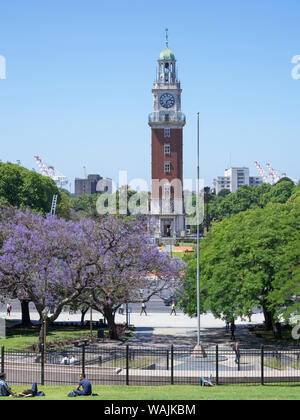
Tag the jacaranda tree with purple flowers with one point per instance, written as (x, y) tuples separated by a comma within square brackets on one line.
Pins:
[(53, 262), (43, 260), (128, 267)]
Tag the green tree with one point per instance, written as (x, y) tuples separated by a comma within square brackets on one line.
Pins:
[(20, 187), (280, 192), (85, 205), (243, 261), (224, 193)]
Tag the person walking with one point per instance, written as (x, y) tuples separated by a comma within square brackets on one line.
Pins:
[(143, 310), (227, 326), (8, 308), (173, 308), (236, 349)]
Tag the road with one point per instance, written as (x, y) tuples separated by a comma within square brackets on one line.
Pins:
[(155, 305)]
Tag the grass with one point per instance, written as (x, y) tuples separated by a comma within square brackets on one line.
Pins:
[(21, 338), (139, 363), (295, 365), (268, 336), (275, 364), (173, 393)]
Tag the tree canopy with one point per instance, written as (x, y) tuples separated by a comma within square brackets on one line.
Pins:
[(22, 188), (227, 204), (246, 261), (104, 263)]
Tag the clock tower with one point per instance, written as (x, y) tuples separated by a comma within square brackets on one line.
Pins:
[(167, 122)]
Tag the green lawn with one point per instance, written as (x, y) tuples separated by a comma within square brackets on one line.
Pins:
[(18, 338), (268, 336), (243, 392)]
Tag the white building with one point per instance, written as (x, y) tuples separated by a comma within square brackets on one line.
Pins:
[(234, 179)]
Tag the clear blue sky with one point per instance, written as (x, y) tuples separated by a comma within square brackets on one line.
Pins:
[(80, 74)]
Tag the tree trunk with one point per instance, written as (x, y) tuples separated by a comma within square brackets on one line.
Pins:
[(277, 330), (112, 328), (271, 324), (268, 319), (83, 313), (25, 313)]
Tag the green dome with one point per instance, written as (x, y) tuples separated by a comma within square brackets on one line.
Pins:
[(167, 55)]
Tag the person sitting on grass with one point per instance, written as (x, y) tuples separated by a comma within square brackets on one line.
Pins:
[(204, 382), (5, 391), (85, 385), (33, 392)]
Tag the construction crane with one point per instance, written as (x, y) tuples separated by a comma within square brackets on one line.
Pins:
[(273, 175), (262, 172), (51, 172)]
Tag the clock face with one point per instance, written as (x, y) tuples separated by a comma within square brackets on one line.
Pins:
[(167, 100)]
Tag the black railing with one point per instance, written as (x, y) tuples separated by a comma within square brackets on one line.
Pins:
[(126, 365)]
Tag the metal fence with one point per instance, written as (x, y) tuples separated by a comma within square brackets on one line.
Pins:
[(126, 365)]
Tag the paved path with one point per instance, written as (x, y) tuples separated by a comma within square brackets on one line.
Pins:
[(161, 329), (164, 330)]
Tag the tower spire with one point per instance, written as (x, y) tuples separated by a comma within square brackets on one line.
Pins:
[(167, 37)]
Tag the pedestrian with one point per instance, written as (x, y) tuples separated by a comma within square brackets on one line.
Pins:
[(236, 349), (143, 310), (85, 385), (5, 390), (232, 329), (8, 308), (227, 326), (173, 308)]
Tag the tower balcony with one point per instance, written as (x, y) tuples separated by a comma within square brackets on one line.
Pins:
[(167, 118)]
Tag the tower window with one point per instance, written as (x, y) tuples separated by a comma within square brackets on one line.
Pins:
[(167, 117), (167, 132), (167, 167), (167, 149)]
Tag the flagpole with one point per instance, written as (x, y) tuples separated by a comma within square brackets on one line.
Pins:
[(199, 351), (198, 221)]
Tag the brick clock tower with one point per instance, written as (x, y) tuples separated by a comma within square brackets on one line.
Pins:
[(167, 122)]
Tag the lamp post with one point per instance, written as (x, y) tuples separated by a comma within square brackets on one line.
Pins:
[(44, 316), (199, 351), (91, 321), (44, 319), (127, 316)]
